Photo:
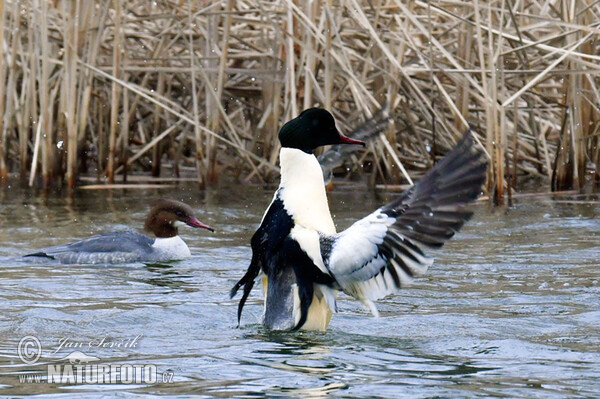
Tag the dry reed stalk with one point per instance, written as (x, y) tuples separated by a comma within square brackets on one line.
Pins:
[(10, 106), (198, 132), (497, 81), (126, 186), (3, 141), (36, 150), (70, 61), (290, 92), (31, 112), (224, 75), (114, 103), (124, 134), (44, 93), (328, 59), (310, 57), (157, 149), (208, 79), (100, 143), (93, 50)]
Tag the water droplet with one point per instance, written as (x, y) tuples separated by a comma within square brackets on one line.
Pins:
[(59, 144)]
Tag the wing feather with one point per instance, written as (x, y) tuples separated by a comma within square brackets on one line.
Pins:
[(380, 253)]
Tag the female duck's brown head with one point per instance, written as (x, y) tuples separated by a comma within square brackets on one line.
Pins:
[(167, 215)]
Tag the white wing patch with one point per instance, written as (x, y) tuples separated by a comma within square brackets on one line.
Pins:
[(309, 242), (354, 253), (372, 259)]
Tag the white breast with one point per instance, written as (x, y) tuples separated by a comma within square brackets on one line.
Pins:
[(302, 190), (171, 248)]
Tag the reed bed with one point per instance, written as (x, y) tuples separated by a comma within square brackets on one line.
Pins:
[(197, 88)]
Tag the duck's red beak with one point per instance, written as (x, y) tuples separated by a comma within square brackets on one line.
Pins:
[(348, 140), (193, 222)]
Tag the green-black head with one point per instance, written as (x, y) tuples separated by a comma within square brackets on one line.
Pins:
[(313, 128)]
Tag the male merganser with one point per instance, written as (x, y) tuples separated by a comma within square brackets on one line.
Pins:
[(304, 261), (130, 246)]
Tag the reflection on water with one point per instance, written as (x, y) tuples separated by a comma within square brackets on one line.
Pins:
[(510, 308)]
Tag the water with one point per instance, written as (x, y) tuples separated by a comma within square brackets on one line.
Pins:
[(510, 308)]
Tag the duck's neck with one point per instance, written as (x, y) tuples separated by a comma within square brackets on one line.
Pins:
[(161, 224), (171, 248), (302, 190)]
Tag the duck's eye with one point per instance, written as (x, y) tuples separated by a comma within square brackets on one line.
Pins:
[(179, 214)]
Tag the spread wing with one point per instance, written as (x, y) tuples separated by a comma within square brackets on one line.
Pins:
[(380, 253), (122, 246)]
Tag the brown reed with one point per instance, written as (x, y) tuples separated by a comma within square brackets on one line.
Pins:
[(191, 87)]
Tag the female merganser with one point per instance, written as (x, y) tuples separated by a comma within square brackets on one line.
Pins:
[(304, 261), (130, 246)]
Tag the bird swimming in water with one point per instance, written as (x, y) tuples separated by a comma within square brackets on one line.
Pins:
[(130, 246), (305, 262)]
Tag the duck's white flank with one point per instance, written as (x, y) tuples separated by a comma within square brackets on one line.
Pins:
[(171, 248), (303, 190)]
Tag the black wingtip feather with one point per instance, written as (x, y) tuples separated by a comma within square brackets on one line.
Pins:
[(432, 211)]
